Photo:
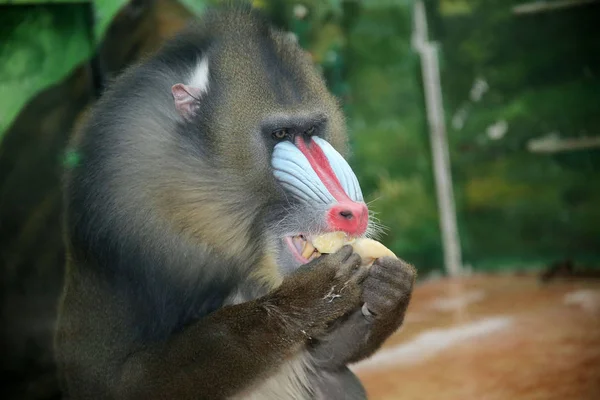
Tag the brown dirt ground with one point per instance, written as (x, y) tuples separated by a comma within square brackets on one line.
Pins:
[(550, 350)]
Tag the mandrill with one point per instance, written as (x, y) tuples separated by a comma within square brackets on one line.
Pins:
[(206, 174)]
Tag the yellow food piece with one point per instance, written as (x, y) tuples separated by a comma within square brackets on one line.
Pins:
[(330, 242), (368, 249)]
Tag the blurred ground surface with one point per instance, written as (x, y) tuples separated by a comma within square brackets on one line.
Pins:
[(498, 337)]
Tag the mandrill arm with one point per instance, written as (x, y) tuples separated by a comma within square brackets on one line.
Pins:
[(386, 292), (235, 346)]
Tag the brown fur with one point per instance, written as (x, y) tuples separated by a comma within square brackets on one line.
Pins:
[(174, 288)]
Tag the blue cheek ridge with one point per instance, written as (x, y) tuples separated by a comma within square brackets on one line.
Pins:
[(294, 172), (342, 170)]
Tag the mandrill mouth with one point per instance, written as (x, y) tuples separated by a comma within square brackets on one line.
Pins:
[(320, 180), (302, 249)]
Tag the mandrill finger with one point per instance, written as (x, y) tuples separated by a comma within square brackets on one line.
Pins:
[(348, 267), (341, 255), (360, 275)]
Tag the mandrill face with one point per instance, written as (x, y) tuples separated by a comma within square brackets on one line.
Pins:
[(323, 195), (271, 126)]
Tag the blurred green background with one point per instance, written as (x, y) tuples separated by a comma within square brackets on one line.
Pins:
[(521, 93)]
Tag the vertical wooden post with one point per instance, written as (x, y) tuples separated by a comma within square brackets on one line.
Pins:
[(439, 144)]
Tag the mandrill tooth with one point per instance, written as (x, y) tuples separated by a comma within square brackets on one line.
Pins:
[(308, 250)]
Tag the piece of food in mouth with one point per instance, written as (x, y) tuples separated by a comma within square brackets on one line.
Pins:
[(368, 249)]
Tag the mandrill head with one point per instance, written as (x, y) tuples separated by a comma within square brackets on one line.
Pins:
[(268, 141)]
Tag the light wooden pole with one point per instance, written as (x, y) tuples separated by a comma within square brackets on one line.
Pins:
[(439, 144)]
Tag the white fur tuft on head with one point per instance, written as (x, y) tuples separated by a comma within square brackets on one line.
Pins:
[(187, 97), (200, 76)]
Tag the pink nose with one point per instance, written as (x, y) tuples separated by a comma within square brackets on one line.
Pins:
[(349, 217)]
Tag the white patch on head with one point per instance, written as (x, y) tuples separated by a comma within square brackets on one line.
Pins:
[(199, 78), (187, 96)]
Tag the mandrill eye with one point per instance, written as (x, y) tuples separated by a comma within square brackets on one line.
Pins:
[(280, 134), (310, 131)]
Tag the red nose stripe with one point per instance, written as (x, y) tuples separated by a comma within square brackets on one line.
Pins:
[(357, 225), (319, 163), (347, 215)]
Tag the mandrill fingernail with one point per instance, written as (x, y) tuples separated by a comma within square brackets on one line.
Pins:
[(368, 314)]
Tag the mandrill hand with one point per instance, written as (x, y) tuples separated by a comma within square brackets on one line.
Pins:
[(387, 290), (320, 292)]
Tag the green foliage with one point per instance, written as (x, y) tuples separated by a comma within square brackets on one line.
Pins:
[(43, 43), (40, 46), (541, 73), (41, 2), (388, 131), (196, 6)]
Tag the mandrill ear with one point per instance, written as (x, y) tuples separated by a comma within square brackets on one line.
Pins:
[(187, 99)]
